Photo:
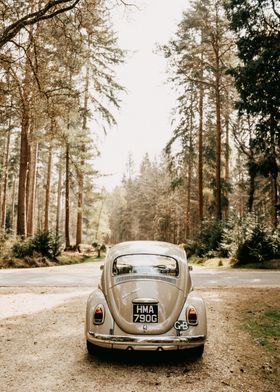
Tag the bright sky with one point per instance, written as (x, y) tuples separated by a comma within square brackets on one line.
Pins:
[(144, 120)]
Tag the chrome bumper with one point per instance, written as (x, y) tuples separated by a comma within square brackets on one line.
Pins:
[(119, 340)]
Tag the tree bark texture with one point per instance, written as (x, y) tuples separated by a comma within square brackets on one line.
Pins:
[(80, 171), (32, 173), (5, 178), (218, 206), (189, 174), (226, 159), (48, 189), (274, 201), (13, 204), (58, 206), (67, 201), (23, 166), (80, 209), (200, 152)]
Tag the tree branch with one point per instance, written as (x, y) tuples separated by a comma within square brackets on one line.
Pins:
[(47, 12), (274, 9)]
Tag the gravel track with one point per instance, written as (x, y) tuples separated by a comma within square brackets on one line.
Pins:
[(43, 349)]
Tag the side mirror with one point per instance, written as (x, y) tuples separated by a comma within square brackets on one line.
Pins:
[(190, 267), (102, 267)]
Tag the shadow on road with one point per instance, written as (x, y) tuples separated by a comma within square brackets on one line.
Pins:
[(144, 358)]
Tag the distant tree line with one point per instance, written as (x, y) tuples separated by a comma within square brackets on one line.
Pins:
[(223, 158)]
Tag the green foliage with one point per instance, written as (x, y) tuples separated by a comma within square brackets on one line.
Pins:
[(257, 77), (249, 241), (264, 328), (46, 243), (99, 247), (207, 241), (22, 248), (244, 239), (55, 244), (257, 249)]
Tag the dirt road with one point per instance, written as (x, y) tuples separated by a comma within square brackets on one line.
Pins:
[(44, 350)]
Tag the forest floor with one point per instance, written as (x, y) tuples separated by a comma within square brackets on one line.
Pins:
[(226, 262), (38, 260), (43, 347), (74, 257)]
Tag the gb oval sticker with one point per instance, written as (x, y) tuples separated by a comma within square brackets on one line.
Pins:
[(181, 325)]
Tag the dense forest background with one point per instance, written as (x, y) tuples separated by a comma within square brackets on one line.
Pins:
[(216, 184)]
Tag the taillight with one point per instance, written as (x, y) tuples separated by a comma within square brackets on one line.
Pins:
[(98, 314), (192, 315)]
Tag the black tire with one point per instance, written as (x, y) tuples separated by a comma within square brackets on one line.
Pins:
[(90, 348), (197, 352)]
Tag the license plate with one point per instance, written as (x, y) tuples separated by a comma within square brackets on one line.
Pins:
[(145, 313)]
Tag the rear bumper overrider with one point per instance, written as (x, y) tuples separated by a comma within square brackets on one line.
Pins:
[(145, 342)]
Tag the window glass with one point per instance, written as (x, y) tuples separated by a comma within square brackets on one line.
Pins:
[(144, 264)]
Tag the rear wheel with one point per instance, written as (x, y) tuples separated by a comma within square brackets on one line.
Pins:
[(197, 352), (90, 348)]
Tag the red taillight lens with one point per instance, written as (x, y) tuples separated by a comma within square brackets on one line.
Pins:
[(192, 315), (98, 314)]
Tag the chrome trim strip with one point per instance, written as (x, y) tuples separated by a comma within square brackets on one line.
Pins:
[(128, 277), (147, 340), (145, 301)]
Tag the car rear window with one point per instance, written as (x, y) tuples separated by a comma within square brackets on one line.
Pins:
[(145, 264)]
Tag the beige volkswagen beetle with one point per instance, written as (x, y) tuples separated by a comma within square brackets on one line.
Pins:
[(145, 301)]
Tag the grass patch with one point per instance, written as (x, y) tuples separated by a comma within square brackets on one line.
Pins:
[(212, 262), (264, 327), (37, 260), (231, 263), (270, 264), (260, 318), (72, 258)]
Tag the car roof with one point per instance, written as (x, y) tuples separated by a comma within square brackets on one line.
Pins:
[(146, 247)]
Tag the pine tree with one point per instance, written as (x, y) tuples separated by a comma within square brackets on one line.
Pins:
[(257, 77)]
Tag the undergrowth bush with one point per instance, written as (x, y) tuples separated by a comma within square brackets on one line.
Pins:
[(46, 243), (5, 246), (244, 239), (257, 248), (207, 241), (249, 241)]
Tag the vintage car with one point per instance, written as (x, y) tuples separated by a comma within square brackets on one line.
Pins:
[(145, 301)]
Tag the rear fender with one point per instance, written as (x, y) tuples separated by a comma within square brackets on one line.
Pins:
[(97, 297), (195, 299)]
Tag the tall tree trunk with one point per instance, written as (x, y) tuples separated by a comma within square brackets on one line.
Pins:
[(99, 218), (23, 166), (216, 39), (80, 209), (32, 173), (67, 201), (13, 228), (48, 190), (190, 167), (5, 178), (40, 210), (200, 146), (59, 187), (218, 206), (227, 159), (189, 184), (2, 176), (274, 190), (251, 192), (274, 200), (26, 96), (79, 228), (252, 179)]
